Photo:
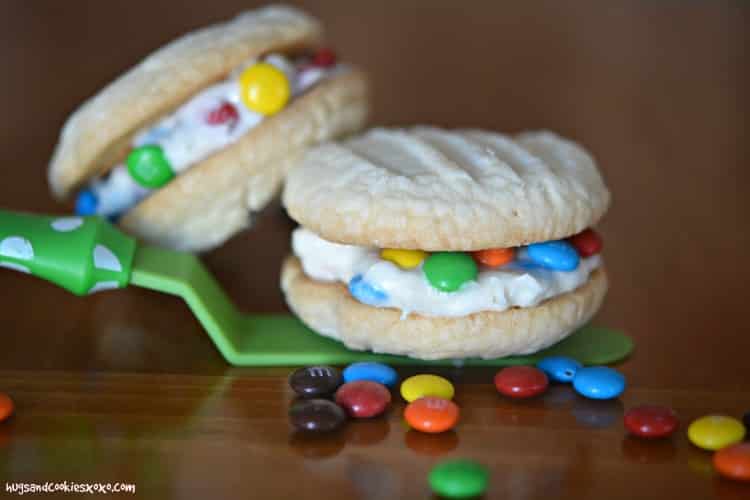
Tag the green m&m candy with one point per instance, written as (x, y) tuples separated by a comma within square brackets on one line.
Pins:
[(458, 479), (447, 271), (149, 166)]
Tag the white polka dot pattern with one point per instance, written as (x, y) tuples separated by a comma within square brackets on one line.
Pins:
[(67, 224), (105, 259), (104, 285), (16, 247)]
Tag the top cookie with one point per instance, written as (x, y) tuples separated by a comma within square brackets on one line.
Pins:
[(98, 134), (432, 189)]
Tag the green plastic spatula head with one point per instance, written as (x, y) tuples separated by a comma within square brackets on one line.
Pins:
[(87, 254)]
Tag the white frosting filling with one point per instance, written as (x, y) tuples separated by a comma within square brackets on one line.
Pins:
[(408, 290), (187, 138)]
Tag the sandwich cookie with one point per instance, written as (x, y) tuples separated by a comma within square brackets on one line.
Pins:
[(182, 148), (445, 244)]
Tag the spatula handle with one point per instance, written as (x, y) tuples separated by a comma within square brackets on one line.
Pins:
[(81, 254)]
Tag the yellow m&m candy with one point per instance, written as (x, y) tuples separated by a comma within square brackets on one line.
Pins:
[(264, 89), (405, 259), (714, 432), (420, 386)]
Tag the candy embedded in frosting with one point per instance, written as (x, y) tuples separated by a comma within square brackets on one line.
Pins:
[(264, 88), (225, 113), (366, 292), (148, 166), (587, 243), (376, 281), (324, 57), (494, 257), (555, 255), (449, 271), (405, 259), (216, 117)]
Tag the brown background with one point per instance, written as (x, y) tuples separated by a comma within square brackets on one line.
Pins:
[(125, 385)]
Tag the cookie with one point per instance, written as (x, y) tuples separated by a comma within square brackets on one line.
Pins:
[(329, 309), (441, 244), (435, 189), (198, 201)]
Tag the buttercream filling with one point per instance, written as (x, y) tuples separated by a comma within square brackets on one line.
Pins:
[(381, 283)]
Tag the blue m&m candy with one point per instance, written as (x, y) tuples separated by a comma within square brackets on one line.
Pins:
[(86, 203), (374, 372), (555, 255), (559, 368), (599, 382), (365, 292)]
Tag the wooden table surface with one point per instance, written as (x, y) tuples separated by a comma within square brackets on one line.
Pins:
[(125, 386)]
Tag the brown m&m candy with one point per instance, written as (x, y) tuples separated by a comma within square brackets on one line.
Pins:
[(316, 415), (315, 381)]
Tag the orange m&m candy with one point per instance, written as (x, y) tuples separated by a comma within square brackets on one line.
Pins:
[(431, 414), (6, 406), (734, 461), (494, 257)]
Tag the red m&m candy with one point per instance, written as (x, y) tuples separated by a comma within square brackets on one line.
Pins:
[(324, 57), (225, 113), (587, 243), (363, 398), (650, 421), (521, 381)]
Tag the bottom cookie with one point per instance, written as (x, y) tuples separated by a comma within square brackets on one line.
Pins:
[(329, 309)]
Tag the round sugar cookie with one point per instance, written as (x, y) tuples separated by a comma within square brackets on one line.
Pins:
[(97, 135), (215, 198), (433, 189), (330, 310)]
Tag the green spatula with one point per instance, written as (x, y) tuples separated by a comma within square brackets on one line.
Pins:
[(87, 254)]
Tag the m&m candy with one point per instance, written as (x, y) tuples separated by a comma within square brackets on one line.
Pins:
[(363, 398), (420, 386), (458, 479), (226, 113), (405, 259), (521, 381), (598, 382), (316, 415), (494, 257), (650, 421), (6, 406), (554, 255), (587, 243), (368, 370), (324, 57), (559, 368), (315, 381), (86, 203), (149, 167), (448, 271), (366, 292), (264, 89), (733, 462), (432, 415), (714, 432)]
